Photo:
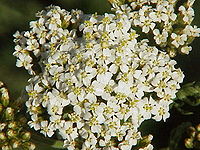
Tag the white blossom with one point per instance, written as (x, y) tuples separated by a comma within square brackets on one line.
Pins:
[(99, 81)]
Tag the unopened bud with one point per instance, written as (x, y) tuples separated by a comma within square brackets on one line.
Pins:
[(189, 143), (172, 53), (11, 133), (12, 125), (6, 147), (30, 146), (198, 127), (2, 136), (4, 98), (1, 107), (9, 113), (198, 137), (26, 136), (191, 131), (2, 126), (1, 84), (16, 144)]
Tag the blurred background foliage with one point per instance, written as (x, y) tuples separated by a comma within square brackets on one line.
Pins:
[(16, 15)]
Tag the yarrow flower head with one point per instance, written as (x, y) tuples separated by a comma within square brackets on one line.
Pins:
[(93, 80), (168, 21)]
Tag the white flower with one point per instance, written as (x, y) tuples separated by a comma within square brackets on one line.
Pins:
[(88, 25), (70, 145), (186, 49), (104, 78), (35, 122), (188, 14), (132, 137), (33, 46), (146, 106), (103, 90), (25, 61), (178, 39), (192, 31), (170, 12), (56, 122), (34, 90), (160, 38), (178, 75), (160, 111), (111, 108), (18, 50), (91, 141), (67, 131), (159, 14), (146, 24), (54, 106), (46, 129)]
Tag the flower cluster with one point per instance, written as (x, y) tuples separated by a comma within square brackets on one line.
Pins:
[(12, 134), (167, 23), (93, 82), (193, 138)]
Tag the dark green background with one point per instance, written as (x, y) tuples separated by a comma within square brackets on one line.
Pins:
[(16, 15)]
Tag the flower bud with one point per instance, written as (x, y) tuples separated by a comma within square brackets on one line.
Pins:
[(171, 52), (198, 127), (2, 136), (16, 144), (1, 84), (2, 126), (189, 143), (4, 98), (6, 147), (9, 113), (1, 107), (198, 137), (12, 125), (11, 133), (191, 131), (30, 146), (26, 136)]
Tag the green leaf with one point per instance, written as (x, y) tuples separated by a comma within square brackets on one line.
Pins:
[(187, 98), (177, 134)]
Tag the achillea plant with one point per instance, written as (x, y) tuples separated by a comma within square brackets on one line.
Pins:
[(12, 132), (96, 78)]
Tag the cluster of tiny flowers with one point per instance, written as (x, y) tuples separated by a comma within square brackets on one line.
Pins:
[(12, 134), (167, 22), (193, 138), (93, 82)]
